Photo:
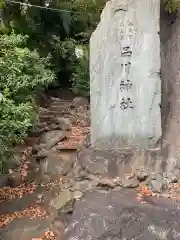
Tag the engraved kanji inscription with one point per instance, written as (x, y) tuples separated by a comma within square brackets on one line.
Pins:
[(126, 103), (126, 51), (125, 85)]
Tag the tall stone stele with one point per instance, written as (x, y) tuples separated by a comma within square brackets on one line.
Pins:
[(125, 75)]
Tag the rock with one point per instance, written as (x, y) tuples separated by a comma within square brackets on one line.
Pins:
[(105, 163), (14, 179), (67, 207), (77, 194), (118, 215), (45, 178), (171, 178), (63, 123), (54, 166), (41, 126), (63, 198), (52, 127), (42, 154), (79, 101), (84, 186), (13, 162), (129, 183), (51, 138), (3, 180), (36, 148), (58, 226), (107, 182), (158, 183), (142, 175), (87, 141)]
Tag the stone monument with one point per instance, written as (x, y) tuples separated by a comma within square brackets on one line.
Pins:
[(125, 75)]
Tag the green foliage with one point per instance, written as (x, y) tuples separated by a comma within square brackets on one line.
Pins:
[(15, 121), (172, 5), (56, 32), (23, 74), (28, 36)]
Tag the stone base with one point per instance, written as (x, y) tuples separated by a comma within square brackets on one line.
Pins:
[(118, 215), (122, 162)]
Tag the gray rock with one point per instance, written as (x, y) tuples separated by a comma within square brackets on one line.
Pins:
[(13, 162), (142, 175), (158, 184), (36, 148), (42, 154), (107, 182), (84, 186), (14, 179), (51, 138), (55, 166), (117, 215), (63, 123), (171, 178), (3, 180), (105, 163), (129, 183), (79, 101), (87, 141), (65, 200), (58, 226)]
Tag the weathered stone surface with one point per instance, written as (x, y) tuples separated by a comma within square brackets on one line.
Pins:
[(142, 175), (51, 138), (14, 179), (129, 183), (124, 74), (120, 162), (13, 162), (158, 183), (42, 154), (87, 141), (117, 215), (106, 163), (64, 123), (55, 166), (64, 201), (79, 101)]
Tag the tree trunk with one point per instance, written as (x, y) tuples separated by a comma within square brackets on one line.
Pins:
[(170, 69)]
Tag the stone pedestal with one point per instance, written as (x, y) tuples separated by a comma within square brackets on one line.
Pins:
[(125, 75)]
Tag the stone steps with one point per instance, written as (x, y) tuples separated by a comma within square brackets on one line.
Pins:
[(58, 108), (48, 117), (54, 99)]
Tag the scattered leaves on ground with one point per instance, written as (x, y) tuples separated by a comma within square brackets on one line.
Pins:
[(145, 191), (48, 235), (32, 212), (75, 138), (174, 191), (8, 193)]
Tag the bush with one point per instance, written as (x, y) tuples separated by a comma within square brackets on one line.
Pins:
[(23, 74)]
